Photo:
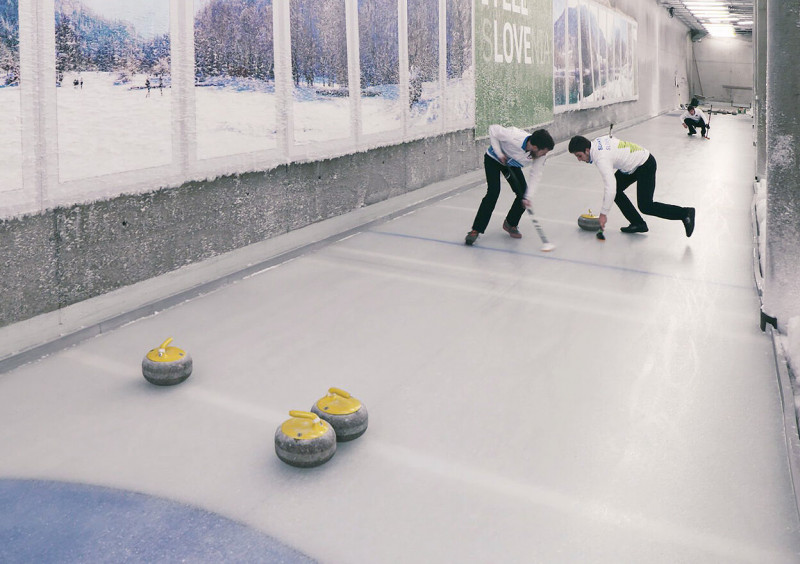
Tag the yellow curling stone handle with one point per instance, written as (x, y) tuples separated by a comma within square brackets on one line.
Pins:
[(338, 402), (303, 425), (165, 353)]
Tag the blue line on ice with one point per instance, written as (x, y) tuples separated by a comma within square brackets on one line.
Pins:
[(559, 259)]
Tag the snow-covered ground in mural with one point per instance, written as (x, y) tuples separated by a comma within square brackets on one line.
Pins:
[(10, 139), (107, 127)]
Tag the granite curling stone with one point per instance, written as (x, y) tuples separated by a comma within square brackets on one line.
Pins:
[(589, 222), (166, 365), (305, 440), (346, 414)]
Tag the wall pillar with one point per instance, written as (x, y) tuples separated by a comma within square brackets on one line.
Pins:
[(781, 300), (760, 86)]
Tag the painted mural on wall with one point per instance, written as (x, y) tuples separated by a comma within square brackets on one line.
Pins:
[(594, 55), (514, 63), (235, 101), (113, 78), (379, 59), (460, 70), (319, 70), (424, 87), (10, 101)]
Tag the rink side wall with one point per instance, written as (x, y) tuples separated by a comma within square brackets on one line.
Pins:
[(67, 254)]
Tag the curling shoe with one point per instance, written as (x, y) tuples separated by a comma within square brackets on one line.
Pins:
[(688, 222), (512, 230), (638, 228)]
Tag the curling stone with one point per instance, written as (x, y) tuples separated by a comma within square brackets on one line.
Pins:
[(305, 440), (346, 414), (166, 366), (589, 222)]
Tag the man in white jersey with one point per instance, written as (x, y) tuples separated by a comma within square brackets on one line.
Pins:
[(693, 118), (510, 150), (622, 163)]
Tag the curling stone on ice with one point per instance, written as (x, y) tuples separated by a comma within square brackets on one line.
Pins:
[(166, 365), (589, 222), (305, 440), (346, 414)]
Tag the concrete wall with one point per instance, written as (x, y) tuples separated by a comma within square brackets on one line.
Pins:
[(724, 70), (65, 255)]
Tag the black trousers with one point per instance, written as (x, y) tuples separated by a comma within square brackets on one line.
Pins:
[(645, 178), (515, 178), (694, 124)]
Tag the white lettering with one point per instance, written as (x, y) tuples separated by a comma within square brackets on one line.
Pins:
[(514, 6), (506, 5), (498, 57), (486, 32), (523, 9), (527, 43), (508, 43), (519, 43)]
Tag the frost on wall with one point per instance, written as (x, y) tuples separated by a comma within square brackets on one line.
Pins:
[(10, 101), (235, 102), (113, 86)]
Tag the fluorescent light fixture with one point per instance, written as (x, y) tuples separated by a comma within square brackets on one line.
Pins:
[(745, 22), (716, 17), (720, 30)]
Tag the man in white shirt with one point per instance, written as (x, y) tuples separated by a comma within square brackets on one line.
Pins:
[(511, 149), (693, 118), (621, 163)]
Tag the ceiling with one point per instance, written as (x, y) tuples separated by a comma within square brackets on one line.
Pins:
[(740, 12)]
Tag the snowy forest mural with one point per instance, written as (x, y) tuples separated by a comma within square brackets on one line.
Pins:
[(248, 97), (319, 70), (112, 62), (234, 69), (379, 53), (594, 55), (10, 102)]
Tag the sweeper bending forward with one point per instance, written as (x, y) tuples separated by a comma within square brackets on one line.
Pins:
[(511, 150), (632, 163)]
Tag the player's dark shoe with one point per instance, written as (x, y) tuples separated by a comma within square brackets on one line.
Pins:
[(471, 237), (640, 228), (688, 222), (512, 230), (691, 133)]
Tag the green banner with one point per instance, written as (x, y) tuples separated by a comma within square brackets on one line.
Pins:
[(513, 63)]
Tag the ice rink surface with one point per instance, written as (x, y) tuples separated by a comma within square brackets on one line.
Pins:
[(608, 402)]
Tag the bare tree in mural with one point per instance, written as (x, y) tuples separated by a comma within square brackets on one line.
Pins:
[(319, 42), (234, 38), (86, 41), (459, 37), (423, 45), (378, 42), (9, 43)]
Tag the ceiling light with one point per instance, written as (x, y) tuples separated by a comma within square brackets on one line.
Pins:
[(720, 30)]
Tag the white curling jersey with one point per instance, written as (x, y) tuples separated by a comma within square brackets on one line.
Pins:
[(610, 154)]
